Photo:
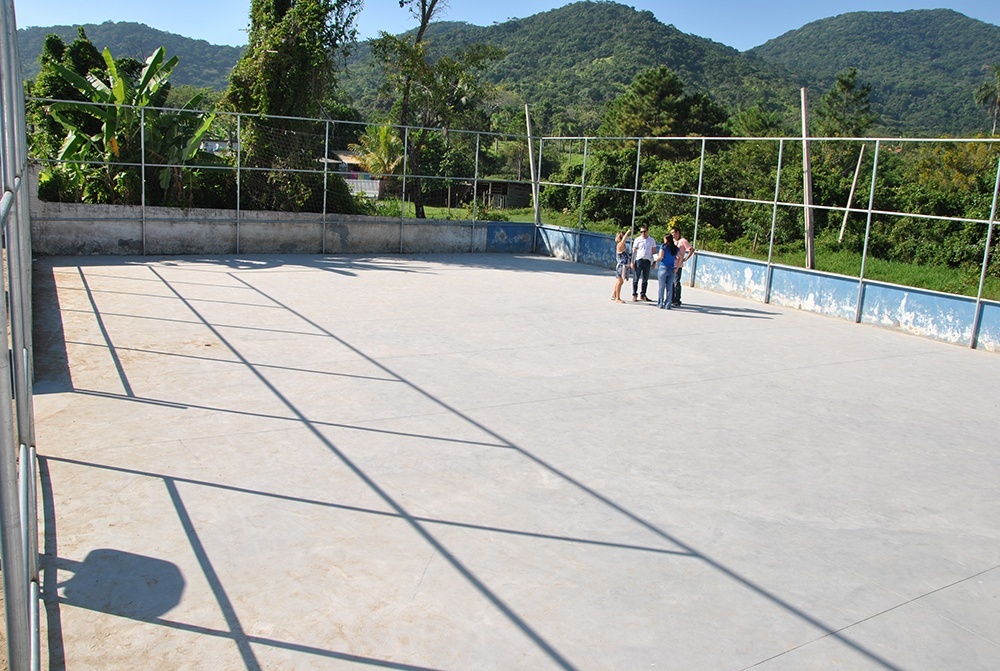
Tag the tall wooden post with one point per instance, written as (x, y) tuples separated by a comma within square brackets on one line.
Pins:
[(807, 191), (534, 176)]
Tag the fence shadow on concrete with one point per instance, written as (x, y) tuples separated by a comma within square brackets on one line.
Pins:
[(152, 606)]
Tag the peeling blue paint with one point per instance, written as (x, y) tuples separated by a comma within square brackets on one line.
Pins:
[(730, 275), (927, 313), (989, 327), (946, 317), (597, 249), (558, 242), (511, 238), (594, 249), (833, 295)]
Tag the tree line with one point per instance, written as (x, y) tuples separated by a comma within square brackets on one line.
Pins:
[(290, 75)]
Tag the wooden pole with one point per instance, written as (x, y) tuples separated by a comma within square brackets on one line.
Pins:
[(534, 176), (850, 198), (807, 195)]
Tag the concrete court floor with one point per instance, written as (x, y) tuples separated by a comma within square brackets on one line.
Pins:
[(481, 462)]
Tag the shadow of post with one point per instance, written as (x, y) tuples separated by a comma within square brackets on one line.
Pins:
[(51, 362)]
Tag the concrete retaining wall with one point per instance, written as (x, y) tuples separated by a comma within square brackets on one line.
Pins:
[(988, 337), (595, 249), (931, 314), (72, 229), (823, 293), (739, 277)]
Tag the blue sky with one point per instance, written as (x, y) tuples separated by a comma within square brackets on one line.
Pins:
[(736, 23)]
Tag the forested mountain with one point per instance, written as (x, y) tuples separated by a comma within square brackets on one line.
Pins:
[(923, 65), (568, 63), (201, 64), (578, 58)]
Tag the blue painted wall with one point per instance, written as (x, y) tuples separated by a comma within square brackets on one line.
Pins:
[(934, 315), (944, 317), (931, 314), (731, 275), (833, 295), (597, 249), (594, 249), (508, 237), (989, 328), (558, 242)]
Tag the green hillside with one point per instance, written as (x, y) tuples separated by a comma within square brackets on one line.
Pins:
[(580, 57), (568, 63), (201, 64), (923, 64)]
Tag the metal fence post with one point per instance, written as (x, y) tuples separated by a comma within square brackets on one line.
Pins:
[(868, 229), (239, 181), (406, 155), (536, 190), (16, 525), (986, 261), (326, 162), (583, 189), (475, 197), (774, 222), (697, 214), (402, 211), (21, 303), (142, 167), (538, 162), (635, 187), (18, 275), (12, 548)]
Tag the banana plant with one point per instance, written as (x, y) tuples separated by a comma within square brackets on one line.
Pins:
[(127, 107)]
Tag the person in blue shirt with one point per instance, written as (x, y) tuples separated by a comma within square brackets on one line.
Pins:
[(666, 258)]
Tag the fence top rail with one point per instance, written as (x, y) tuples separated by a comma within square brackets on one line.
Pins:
[(546, 138), (781, 203), (785, 138), (231, 113)]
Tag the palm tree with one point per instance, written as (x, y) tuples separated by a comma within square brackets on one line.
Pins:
[(988, 94), (380, 151)]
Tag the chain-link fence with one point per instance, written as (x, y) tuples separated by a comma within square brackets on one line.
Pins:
[(18, 463), (284, 164), (907, 211), (900, 210)]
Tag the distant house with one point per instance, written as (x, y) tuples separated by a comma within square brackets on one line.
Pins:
[(348, 165), (219, 146), (345, 163), (503, 195)]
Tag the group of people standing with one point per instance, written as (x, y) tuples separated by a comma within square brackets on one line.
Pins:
[(644, 255)]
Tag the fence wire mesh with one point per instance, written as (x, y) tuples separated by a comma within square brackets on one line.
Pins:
[(18, 462), (741, 196)]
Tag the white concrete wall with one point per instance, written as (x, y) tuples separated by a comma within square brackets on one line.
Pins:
[(74, 229)]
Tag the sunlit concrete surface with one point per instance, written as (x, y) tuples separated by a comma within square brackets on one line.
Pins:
[(482, 462)]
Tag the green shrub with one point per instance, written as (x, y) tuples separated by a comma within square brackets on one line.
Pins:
[(58, 185), (484, 212)]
